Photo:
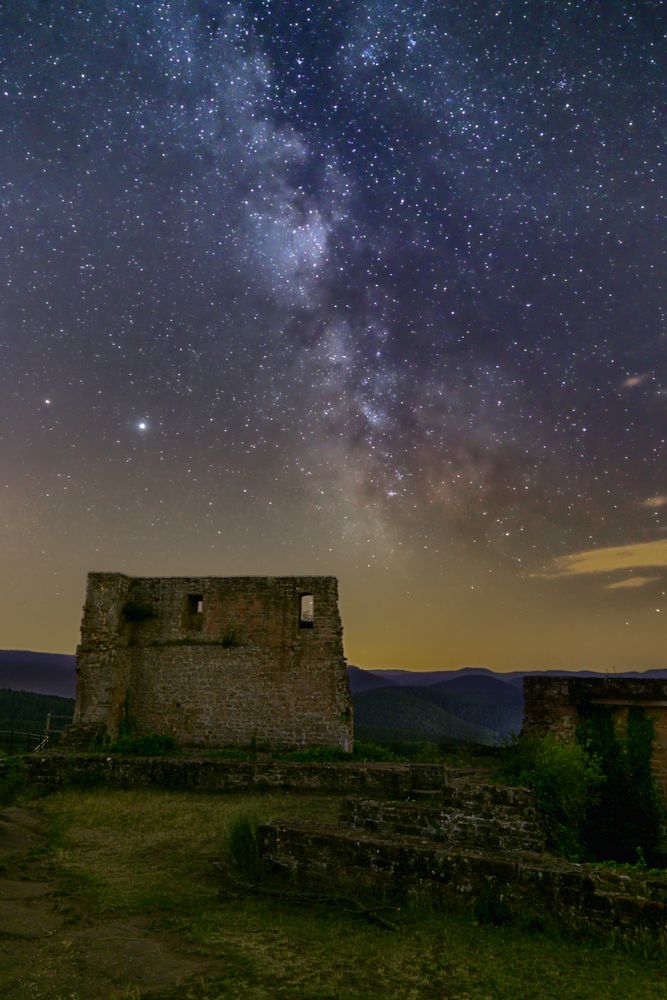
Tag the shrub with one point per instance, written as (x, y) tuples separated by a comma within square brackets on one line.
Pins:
[(243, 848), (418, 752), (231, 637), (324, 755), (12, 780), (374, 751), (566, 781), (624, 823), (151, 745)]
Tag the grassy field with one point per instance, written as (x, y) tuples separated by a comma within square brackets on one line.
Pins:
[(124, 895)]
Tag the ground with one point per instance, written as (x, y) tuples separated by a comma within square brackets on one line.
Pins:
[(126, 896)]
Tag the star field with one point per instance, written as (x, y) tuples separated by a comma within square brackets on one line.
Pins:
[(369, 288)]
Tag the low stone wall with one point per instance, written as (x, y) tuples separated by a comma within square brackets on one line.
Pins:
[(484, 817), (53, 770), (574, 896)]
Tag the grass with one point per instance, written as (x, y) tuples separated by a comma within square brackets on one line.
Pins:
[(148, 866)]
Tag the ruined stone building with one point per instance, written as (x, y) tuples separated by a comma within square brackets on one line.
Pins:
[(213, 661), (556, 705)]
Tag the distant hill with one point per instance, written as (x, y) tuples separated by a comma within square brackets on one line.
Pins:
[(485, 687), (391, 714), (480, 699), (490, 702), (417, 678), (472, 703), (26, 711), (46, 673), (365, 680)]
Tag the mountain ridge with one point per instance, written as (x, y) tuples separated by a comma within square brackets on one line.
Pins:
[(466, 704)]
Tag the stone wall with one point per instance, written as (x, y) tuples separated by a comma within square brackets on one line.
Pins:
[(422, 830), (52, 770), (471, 816), (214, 661), (557, 704), (532, 887)]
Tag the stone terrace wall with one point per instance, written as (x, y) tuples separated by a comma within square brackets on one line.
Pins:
[(557, 704), (472, 817), (55, 770), (535, 886), (213, 661)]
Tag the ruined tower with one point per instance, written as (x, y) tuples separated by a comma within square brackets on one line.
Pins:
[(213, 661)]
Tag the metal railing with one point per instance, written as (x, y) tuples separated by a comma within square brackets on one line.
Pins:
[(15, 741)]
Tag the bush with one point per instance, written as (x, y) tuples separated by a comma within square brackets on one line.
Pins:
[(324, 755), (243, 848), (12, 780), (374, 751), (232, 638), (418, 752), (598, 795), (566, 781), (151, 745), (624, 824)]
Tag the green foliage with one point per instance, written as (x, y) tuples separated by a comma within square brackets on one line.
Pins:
[(125, 727), (624, 823), (374, 751), (598, 795), (27, 711), (323, 755), (12, 780), (129, 859), (150, 745), (231, 638), (418, 752), (138, 610), (566, 780), (387, 715), (231, 753), (242, 848)]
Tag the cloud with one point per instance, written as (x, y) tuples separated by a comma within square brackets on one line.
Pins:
[(631, 582), (634, 381), (653, 503), (611, 560)]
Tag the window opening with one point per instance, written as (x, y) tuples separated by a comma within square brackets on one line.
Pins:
[(306, 611), (196, 604)]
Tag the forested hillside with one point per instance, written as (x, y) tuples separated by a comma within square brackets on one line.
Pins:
[(388, 715), (25, 711)]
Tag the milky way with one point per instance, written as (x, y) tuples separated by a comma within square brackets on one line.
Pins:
[(371, 288)]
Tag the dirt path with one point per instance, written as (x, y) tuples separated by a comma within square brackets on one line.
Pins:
[(53, 946)]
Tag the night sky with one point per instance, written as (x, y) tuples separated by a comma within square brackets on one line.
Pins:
[(372, 289)]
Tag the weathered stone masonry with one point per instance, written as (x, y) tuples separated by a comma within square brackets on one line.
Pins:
[(556, 705), (213, 661)]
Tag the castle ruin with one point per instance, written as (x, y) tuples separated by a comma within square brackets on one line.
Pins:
[(213, 661), (556, 706)]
